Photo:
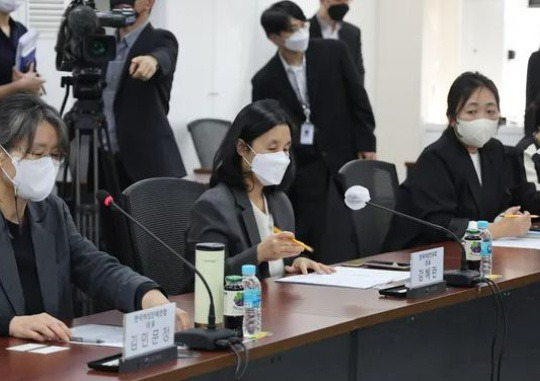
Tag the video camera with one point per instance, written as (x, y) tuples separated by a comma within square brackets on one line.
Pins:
[(83, 48)]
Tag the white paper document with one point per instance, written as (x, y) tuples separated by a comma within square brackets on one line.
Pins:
[(350, 277), (530, 241), (97, 334)]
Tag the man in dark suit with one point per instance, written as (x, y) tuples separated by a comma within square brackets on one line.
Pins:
[(320, 88), (328, 23), (136, 99)]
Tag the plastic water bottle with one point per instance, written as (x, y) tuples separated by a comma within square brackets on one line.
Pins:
[(486, 262), (252, 301)]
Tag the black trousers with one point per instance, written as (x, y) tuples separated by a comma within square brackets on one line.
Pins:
[(323, 221)]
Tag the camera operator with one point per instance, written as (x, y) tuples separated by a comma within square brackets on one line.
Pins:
[(11, 79), (136, 99)]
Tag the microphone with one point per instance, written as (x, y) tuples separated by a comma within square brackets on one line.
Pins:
[(357, 197), (196, 338), (82, 21)]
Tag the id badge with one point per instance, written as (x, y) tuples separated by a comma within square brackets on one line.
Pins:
[(307, 133)]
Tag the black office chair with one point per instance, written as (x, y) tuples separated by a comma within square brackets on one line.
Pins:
[(372, 224), (207, 135), (163, 205)]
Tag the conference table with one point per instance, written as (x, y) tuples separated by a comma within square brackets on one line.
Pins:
[(330, 333)]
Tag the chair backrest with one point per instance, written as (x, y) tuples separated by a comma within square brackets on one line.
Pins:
[(207, 135), (372, 224), (163, 205)]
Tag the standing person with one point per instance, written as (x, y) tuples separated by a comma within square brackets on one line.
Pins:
[(328, 23), (136, 99), (318, 85), (246, 200), (465, 175), (532, 95), (42, 253), (11, 79)]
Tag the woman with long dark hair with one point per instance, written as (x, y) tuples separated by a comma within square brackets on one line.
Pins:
[(246, 202)]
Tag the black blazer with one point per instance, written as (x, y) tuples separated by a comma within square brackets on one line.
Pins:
[(532, 95), (340, 108), (224, 214), (147, 144), (350, 35), (443, 188), (63, 257)]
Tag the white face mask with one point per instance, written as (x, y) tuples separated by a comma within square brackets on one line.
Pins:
[(8, 6), (298, 41), (269, 167), (34, 179), (476, 133)]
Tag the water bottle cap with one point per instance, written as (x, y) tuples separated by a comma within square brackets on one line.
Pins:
[(473, 225), (248, 270), (483, 224)]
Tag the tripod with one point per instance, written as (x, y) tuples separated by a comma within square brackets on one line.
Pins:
[(89, 138)]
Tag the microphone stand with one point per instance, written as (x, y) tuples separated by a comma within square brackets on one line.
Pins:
[(196, 338), (464, 277)]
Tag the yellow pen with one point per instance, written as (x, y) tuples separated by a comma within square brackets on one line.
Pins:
[(517, 215), (308, 248)]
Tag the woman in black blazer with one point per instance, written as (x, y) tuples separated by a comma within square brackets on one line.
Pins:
[(41, 252), (246, 200), (465, 175)]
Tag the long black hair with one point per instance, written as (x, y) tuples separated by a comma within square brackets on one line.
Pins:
[(253, 121)]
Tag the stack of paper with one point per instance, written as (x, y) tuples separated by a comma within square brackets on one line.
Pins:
[(97, 334), (530, 241), (350, 277)]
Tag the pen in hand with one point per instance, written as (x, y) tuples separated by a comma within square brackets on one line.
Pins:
[(300, 243), (516, 215)]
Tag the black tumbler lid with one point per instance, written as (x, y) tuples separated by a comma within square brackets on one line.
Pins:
[(210, 246)]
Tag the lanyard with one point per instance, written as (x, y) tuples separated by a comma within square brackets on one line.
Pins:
[(303, 102)]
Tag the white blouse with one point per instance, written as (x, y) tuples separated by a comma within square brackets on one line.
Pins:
[(265, 225)]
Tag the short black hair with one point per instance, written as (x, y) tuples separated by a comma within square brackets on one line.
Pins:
[(20, 115), (277, 18), (251, 122), (462, 89)]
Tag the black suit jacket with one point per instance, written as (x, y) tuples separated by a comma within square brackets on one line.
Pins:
[(63, 257), (443, 188), (350, 35), (147, 144), (532, 95), (340, 108), (223, 214)]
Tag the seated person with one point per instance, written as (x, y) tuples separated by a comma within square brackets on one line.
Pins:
[(526, 152), (42, 253), (464, 175), (246, 201)]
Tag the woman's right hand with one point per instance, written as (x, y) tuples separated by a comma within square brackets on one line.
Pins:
[(517, 226), (278, 246), (40, 327)]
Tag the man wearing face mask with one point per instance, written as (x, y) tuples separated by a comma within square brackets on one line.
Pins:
[(11, 79), (42, 253), (328, 23), (318, 85), (136, 99)]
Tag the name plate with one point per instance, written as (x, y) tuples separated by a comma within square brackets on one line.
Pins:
[(427, 267), (149, 330)]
